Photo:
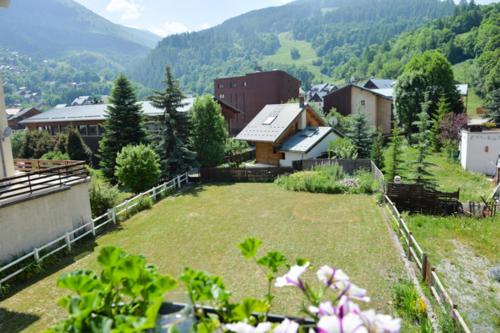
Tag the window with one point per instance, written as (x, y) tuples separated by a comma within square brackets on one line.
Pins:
[(92, 130), (269, 120), (101, 130), (55, 129), (363, 102), (64, 129), (486, 149), (83, 130), (220, 85), (245, 84), (221, 96), (232, 85)]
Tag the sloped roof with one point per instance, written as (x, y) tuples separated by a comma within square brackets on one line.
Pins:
[(303, 141), (23, 112), (94, 112), (382, 83), (270, 123), (12, 111), (387, 92)]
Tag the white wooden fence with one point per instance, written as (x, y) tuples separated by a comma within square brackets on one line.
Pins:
[(67, 240)]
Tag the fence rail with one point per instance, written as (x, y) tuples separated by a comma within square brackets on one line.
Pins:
[(66, 241), (42, 179), (242, 174), (29, 165), (429, 276)]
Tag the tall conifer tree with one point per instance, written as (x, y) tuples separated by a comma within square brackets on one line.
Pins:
[(123, 126), (360, 134), (175, 156)]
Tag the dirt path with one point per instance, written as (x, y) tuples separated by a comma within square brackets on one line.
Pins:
[(470, 285)]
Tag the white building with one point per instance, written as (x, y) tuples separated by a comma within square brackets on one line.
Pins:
[(479, 151)]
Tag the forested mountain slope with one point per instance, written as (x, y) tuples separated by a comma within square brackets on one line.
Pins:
[(470, 39), (57, 28), (337, 30)]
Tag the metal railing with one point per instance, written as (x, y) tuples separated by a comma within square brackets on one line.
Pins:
[(66, 241), (42, 179)]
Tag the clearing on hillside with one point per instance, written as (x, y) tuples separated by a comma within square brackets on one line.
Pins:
[(202, 227)]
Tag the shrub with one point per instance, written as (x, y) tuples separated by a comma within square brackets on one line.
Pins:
[(233, 148), (342, 148), (137, 167), (55, 155), (17, 139), (102, 196), (145, 203), (408, 303), (77, 149), (367, 183)]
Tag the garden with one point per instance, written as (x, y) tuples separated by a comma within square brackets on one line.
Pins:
[(202, 227)]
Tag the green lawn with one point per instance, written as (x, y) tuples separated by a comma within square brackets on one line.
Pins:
[(307, 56), (463, 74), (463, 250), (450, 176), (202, 227)]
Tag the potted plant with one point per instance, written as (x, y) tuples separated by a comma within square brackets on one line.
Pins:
[(128, 294)]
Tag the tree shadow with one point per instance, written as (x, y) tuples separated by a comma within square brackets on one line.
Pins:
[(13, 322)]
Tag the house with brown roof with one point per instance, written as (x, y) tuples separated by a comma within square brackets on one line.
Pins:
[(14, 119), (283, 133), (376, 104)]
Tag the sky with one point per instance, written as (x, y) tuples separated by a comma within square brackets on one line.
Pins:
[(166, 17)]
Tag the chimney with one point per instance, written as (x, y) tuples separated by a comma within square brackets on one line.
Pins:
[(301, 101)]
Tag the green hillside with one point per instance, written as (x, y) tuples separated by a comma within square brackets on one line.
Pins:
[(463, 73), (335, 30)]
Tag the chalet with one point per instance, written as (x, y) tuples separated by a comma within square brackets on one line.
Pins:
[(283, 133), (376, 104), (379, 83), (89, 120), (318, 92), (15, 119), (248, 94)]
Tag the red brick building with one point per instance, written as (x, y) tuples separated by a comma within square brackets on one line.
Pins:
[(251, 93)]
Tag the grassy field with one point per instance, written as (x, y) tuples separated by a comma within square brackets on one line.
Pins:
[(462, 73), (450, 176), (307, 56), (464, 250), (201, 229)]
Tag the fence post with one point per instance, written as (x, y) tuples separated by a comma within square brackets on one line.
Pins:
[(112, 215), (154, 193), (68, 242), (409, 245), (178, 181), (92, 225), (36, 254), (426, 269), (187, 178)]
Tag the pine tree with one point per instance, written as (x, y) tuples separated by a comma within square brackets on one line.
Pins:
[(492, 106), (123, 126), (360, 135), (76, 148), (377, 153), (175, 156), (209, 132), (435, 133), (421, 174), (395, 162)]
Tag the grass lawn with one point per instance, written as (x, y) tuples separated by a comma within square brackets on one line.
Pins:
[(464, 250), (202, 227), (307, 56), (450, 176), (463, 74)]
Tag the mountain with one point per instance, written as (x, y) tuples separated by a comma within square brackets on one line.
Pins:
[(58, 28), (321, 34)]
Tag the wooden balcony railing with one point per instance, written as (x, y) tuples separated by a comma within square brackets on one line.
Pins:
[(41, 176)]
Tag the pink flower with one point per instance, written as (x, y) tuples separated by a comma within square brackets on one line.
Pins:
[(329, 275), (352, 291), (350, 323), (379, 323), (292, 278), (287, 326), (324, 309), (246, 328)]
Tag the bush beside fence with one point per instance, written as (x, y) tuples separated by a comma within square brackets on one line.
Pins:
[(66, 241), (242, 174), (429, 276)]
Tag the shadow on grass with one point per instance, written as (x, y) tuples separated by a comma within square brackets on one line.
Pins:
[(193, 189), (13, 322)]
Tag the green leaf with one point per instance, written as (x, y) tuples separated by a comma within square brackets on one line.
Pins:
[(249, 247), (273, 261), (81, 281), (110, 256), (248, 306), (101, 324), (301, 261)]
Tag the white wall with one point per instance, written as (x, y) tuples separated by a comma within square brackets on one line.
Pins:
[(479, 151), (317, 151), (370, 107), (6, 161), (34, 222)]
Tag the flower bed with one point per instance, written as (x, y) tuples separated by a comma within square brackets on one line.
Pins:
[(329, 179)]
